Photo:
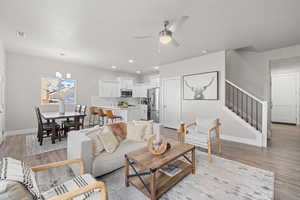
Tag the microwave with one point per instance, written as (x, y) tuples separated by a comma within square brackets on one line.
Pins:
[(126, 93)]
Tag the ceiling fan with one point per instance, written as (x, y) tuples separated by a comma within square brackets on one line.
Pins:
[(166, 35)]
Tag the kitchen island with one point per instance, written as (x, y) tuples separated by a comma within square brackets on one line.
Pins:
[(128, 114)]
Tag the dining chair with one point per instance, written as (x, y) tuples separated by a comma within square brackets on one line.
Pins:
[(77, 108), (93, 116), (111, 116), (102, 116), (45, 129)]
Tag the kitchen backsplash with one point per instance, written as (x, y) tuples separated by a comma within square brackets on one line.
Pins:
[(113, 101)]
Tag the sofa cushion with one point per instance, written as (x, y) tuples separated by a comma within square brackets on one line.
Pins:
[(108, 139), (13, 191), (108, 162), (119, 129), (94, 133), (204, 124), (136, 132)]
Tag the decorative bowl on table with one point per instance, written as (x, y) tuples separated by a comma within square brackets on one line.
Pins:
[(158, 147)]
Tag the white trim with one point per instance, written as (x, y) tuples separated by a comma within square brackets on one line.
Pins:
[(250, 95), (20, 132), (240, 140)]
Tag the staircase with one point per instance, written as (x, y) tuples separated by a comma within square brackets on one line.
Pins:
[(248, 108)]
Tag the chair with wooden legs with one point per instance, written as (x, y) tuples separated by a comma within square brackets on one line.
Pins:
[(91, 188), (102, 116), (45, 128), (203, 133), (93, 116), (111, 116)]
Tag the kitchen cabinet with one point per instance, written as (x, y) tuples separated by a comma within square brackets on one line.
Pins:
[(140, 90), (109, 88), (126, 83)]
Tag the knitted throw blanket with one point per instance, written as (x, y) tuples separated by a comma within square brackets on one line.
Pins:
[(15, 170)]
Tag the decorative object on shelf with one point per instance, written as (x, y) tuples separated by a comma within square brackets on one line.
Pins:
[(158, 145), (202, 86)]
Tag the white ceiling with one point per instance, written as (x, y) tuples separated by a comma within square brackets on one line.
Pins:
[(99, 32)]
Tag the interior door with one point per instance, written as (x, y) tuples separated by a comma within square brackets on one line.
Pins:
[(284, 98), (171, 96)]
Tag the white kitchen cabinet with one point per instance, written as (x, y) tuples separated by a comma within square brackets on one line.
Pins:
[(109, 88), (126, 83), (140, 90)]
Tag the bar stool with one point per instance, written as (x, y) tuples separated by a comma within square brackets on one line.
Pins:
[(102, 117), (111, 116), (93, 116)]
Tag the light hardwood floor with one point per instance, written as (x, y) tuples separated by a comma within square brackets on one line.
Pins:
[(282, 157)]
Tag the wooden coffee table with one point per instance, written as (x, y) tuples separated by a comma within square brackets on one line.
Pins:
[(142, 168)]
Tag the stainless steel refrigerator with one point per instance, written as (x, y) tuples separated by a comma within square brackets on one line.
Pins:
[(153, 104)]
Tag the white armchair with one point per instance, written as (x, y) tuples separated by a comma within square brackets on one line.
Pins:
[(203, 133)]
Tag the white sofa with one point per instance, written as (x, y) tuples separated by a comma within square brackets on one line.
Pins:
[(80, 146)]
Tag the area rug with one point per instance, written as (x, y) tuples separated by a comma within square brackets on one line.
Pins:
[(33, 146), (220, 180)]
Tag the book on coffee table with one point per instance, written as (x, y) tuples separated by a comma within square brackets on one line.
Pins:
[(171, 169)]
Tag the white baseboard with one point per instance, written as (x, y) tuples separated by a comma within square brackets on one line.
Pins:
[(240, 140), (20, 132)]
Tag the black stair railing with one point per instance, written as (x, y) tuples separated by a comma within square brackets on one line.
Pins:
[(245, 106)]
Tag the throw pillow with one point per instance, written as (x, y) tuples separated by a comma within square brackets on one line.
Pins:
[(136, 132), (148, 129), (109, 140), (94, 133), (119, 129)]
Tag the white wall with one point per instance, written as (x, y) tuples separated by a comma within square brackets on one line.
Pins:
[(2, 93), (207, 109), (250, 70), (24, 75)]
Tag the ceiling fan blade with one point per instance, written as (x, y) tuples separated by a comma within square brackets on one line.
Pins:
[(176, 24), (141, 37), (175, 43)]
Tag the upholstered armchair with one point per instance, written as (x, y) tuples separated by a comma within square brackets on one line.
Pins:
[(203, 133), (97, 188), (80, 187)]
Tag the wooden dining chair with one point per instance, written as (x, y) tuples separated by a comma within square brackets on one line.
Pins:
[(93, 116), (45, 129), (77, 108), (111, 116), (102, 116)]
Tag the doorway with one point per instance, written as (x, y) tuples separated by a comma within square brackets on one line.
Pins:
[(171, 102), (285, 90)]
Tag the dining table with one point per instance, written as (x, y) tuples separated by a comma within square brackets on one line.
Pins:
[(52, 116)]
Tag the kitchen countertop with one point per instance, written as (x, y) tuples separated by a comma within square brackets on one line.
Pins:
[(120, 108)]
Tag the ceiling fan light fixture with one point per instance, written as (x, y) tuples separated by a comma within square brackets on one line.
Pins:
[(165, 36)]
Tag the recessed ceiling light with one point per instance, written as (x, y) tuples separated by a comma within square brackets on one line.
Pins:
[(114, 67), (156, 67), (204, 51), (62, 54), (138, 71), (130, 61), (21, 34)]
